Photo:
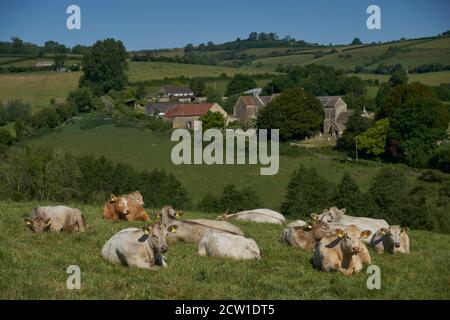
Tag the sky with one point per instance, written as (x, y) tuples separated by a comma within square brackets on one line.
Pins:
[(152, 24)]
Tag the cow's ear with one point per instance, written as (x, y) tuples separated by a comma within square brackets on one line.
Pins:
[(158, 216), (28, 221), (383, 231), (179, 213), (146, 230), (172, 229), (343, 210), (314, 216), (365, 234), (405, 230), (113, 198), (340, 233)]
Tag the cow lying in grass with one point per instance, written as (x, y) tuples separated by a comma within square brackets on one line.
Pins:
[(256, 215), (140, 248), (193, 230), (220, 244), (127, 207), (307, 236), (392, 240), (343, 251), (337, 219), (56, 218)]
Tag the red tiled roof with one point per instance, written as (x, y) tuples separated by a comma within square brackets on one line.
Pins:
[(188, 110)]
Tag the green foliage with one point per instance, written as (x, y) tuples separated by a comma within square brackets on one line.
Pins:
[(141, 91), (106, 65), (441, 158), (213, 95), (356, 125), (13, 110), (398, 78), (198, 86), (82, 99), (416, 126), (5, 137), (212, 120), (307, 192), (232, 200), (356, 41), (383, 92), (349, 196), (41, 173), (296, 113), (373, 141), (240, 83)]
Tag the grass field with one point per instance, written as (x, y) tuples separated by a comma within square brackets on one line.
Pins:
[(146, 151), (37, 88), (159, 70), (33, 266), (430, 78)]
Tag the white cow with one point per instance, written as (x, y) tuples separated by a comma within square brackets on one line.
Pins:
[(256, 215), (56, 218), (337, 219), (219, 244), (140, 248)]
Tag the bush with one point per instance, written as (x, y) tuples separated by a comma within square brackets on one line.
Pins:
[(307, 192), (232, 200), (13, 110), (82, 100), (5, 137)]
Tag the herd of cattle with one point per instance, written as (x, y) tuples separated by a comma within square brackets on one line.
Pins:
[(337, 240)]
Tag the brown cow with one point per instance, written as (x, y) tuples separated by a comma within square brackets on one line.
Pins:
[(307, 236), (343, 252), (125, 207)]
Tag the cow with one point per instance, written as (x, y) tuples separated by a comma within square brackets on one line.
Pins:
[(305, 237), (219, 244), (392, 240), (337, 219), (190, 230), (56, 218), (343, 252), (125, 207), (141, 248), (256, 215)]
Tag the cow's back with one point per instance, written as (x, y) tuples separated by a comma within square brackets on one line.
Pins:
[(125, 246), (219, 225), (62, 217), (220, 244)]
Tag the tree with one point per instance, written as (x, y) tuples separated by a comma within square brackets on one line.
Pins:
[(383, 92), (296, 113), (307, 192), (356, 125), (348, 195), (356, 41), (212, 120), (141, 91), (354, 85), (253, 36), (82, 99), (373, 141), (213, 95), (415, 128), (5, 137), (106, 65), (235, 200), (59, 60), (398, 78), (198, 86), (240, 83)]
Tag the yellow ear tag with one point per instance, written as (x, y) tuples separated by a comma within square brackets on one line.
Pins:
[(383, 232), (49, 223), (340, 234), (309, 227), (146, 232), (28, 222), (158, 217), (177, 215), (173, 230)]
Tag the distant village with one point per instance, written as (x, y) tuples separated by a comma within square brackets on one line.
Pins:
[(180, 106)]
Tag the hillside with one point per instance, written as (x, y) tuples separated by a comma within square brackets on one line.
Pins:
[(145, 150), (283, 273)]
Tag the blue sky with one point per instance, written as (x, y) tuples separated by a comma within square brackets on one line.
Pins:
[(148, 24)]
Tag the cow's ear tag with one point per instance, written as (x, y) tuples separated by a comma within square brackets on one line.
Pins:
[(173, 229), (314, 216), (49, 222), (146, 231), (309, 227), (158, 216), (383, 232), (340, 233)]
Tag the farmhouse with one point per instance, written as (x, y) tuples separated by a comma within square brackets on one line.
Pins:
[(336, 115), (184, 115), (247, 108), (158, 108), (180, 93)]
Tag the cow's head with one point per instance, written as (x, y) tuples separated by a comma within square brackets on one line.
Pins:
[(350, 239), (330, 215), (168, 212), (38, 225), (319, 229), (157, 234), (121, 204), (392, 234)]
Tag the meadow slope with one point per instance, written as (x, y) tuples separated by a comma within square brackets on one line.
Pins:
[(33, 266)]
